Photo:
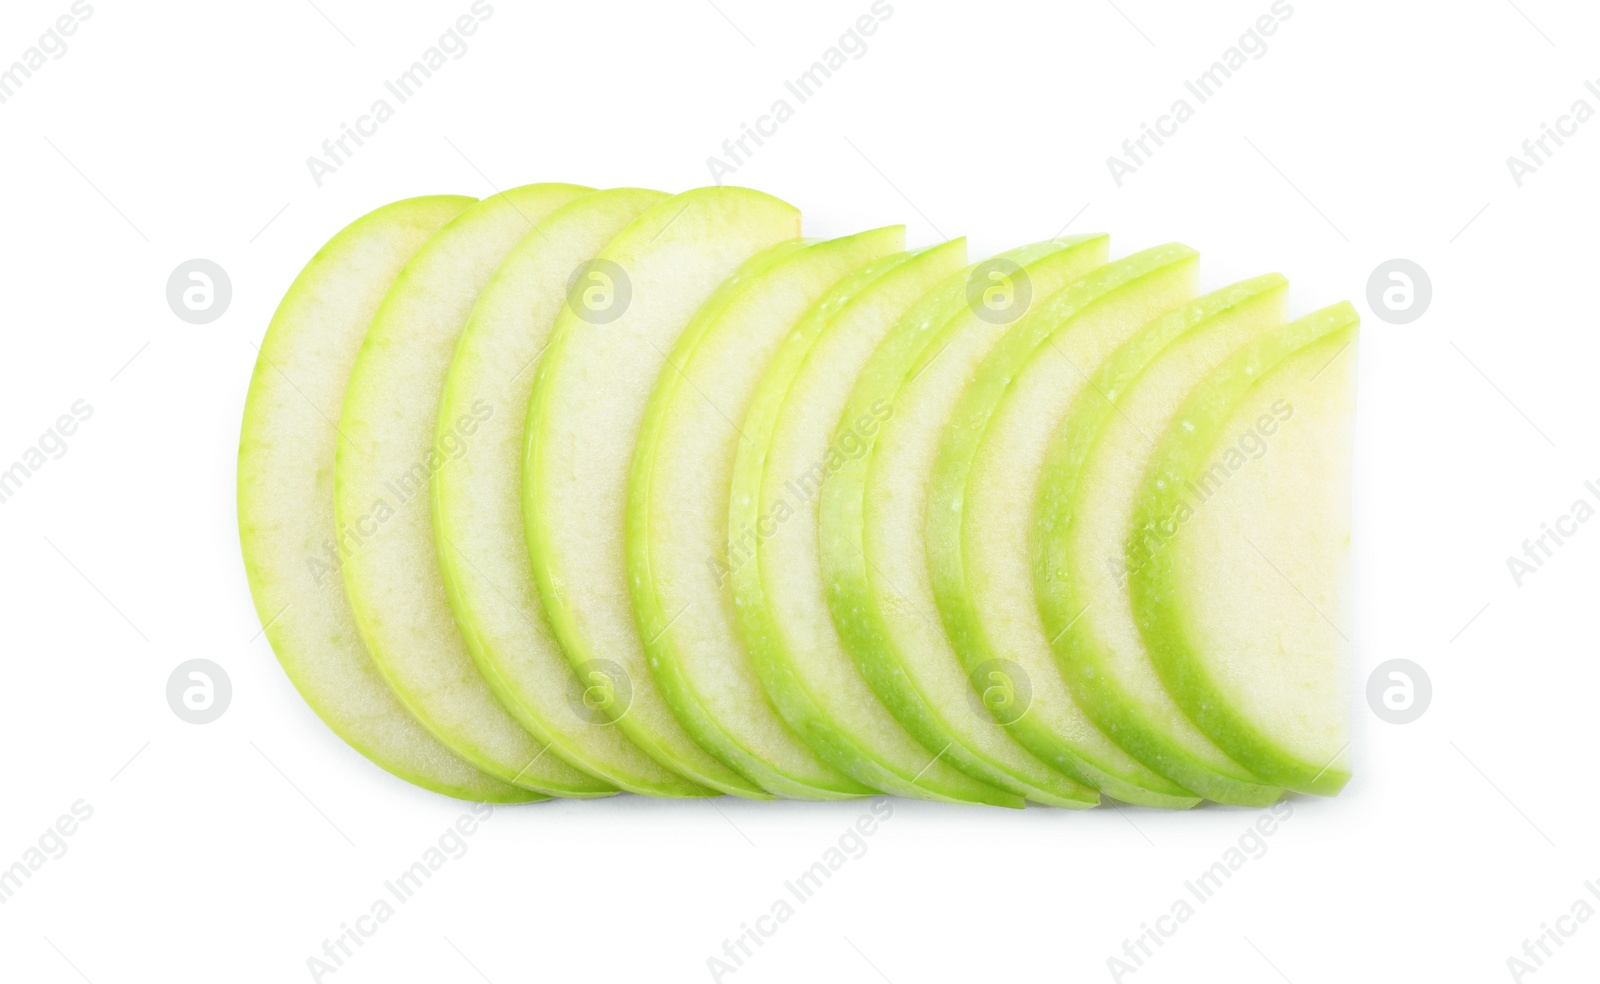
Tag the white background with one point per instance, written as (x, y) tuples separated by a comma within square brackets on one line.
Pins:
[(1367, 131)]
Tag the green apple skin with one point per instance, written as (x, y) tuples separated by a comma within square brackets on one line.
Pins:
[(1288, 724), (1092, 475), (589, 401), (477, 498), (285, 497), (864, 602), (381, 476), (678, 512), (779, 591), (979, 507)]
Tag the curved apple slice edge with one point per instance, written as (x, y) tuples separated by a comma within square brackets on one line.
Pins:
[(476, 497), (980, 526), (1095, 467), (1079, 314), (581, 438), (779, 583), (285, 497), (382, 470), (678, 505), (1241, 603)]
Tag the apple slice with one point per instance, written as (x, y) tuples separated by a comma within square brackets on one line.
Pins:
[(801, 420), (980, 544), (981, 304), (477, 498), (773, 548), (1093, 473), (384, 463), (286, 522), (678, 516), (977, 571), (980, 533), (1238, 547), (890, 588), (588, 404)]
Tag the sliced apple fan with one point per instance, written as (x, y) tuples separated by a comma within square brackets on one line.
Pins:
[(570, 492)]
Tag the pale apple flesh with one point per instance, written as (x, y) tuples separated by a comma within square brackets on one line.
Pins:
[(1085, 512), (477, 498), (779, 585), (979, 511), (387, 455), (813, 434), (900, 601), (678, 517), (1240, 541), (856, 607), (852, 297), (566, 493), (589, 402), (285, 488)]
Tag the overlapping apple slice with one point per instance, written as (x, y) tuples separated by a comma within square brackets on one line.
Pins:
[(980, 510), (1096, 465), (1237, 551), (292, 546), (897, 601), (477, 498), (588, 405), (569, 492), (678, 516), (386, 459), (796, 441)]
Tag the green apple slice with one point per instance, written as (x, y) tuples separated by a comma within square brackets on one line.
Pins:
[(938, 435), (588, 404), (286, 522), (1093, 473), (1237, 555), (802, 422), (477, 498), (966, 306), (980, 544), (773, 548), (900, 626), (678, 516), (381, 480)]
